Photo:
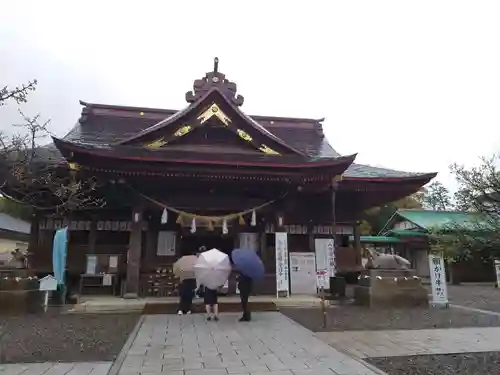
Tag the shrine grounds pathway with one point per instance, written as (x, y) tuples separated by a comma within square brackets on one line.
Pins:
[(462, 340), (55, 368), (271, 344)]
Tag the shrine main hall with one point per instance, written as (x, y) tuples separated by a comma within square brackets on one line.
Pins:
[(208, 175)]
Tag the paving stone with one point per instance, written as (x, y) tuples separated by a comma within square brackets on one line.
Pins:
[(214, 365), (52, 368), (271, 345), (276, 365), (101, 369), (60, 369), (192, 366), (205, 372), (239, 370)]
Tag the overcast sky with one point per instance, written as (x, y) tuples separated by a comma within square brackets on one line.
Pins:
[(409, 85)]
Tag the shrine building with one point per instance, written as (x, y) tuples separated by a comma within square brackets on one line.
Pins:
[(209, 175)]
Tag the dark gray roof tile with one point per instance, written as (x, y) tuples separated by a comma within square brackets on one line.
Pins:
[(13, 224)]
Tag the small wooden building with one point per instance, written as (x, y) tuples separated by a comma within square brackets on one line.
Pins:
[(408, 230), (219, 177)]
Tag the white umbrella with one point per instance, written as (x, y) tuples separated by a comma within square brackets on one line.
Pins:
[(212, 268)]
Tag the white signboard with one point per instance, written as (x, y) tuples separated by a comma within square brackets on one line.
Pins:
[(325, 258), (497, 271), (438, 280), (166, 243), (249, 241), (113, 261), (107, 279), (281, 263), (48, 283), (91, 264)]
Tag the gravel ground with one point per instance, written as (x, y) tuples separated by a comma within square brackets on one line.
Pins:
[(64, 337), (349, 318), (485, 297), (487, 363)]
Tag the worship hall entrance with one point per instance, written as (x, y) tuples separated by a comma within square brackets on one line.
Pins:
[(192, 242)]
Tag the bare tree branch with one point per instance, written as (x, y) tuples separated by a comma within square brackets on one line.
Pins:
[(29, 178), (18, 94)]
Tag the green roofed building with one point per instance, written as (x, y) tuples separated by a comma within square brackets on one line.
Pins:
[(406, 233)]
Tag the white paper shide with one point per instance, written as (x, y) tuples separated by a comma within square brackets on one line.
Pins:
[(282, 263), (438, 279)]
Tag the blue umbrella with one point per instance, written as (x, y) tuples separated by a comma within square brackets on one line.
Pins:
[(248, 263)]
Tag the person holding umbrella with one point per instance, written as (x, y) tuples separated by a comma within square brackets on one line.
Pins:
[(184, 270), (187, 288), (250, 269), (245, 285), (211, 304), (212, 271)]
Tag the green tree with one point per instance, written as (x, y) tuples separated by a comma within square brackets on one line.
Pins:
[(375, 218), (479, 194), (436, 197)]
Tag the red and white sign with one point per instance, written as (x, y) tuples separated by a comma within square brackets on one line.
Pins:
[(322, 277)]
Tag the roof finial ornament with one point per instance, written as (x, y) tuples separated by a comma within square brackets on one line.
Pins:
[(216, 65), (214, 79)]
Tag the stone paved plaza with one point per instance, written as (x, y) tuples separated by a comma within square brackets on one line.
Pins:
[(393, 343), (49, 368), (271, 344)]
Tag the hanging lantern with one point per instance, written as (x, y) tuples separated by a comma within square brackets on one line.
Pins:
[(241, 220), (253, 222), (193, 225), (164, 216), (224, 226)]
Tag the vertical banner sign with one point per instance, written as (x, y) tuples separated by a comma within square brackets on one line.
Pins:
[(497, 271), (281, 263), (330, 251), (438, 280), (325, 259)]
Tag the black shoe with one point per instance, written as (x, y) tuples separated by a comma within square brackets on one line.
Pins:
[(209, 318), (216, 318), (244, 319)]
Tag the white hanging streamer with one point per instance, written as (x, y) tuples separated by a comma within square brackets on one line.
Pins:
[(193, 225), (254, 219), (164, 216), (224, 227)]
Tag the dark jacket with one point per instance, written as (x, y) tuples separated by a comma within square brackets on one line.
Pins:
[(187, 287), (245, 284)]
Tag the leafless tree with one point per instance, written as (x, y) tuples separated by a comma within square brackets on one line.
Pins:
[(26, 174)]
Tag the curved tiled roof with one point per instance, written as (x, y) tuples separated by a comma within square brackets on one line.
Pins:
[(102, 125), (13, 224)]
